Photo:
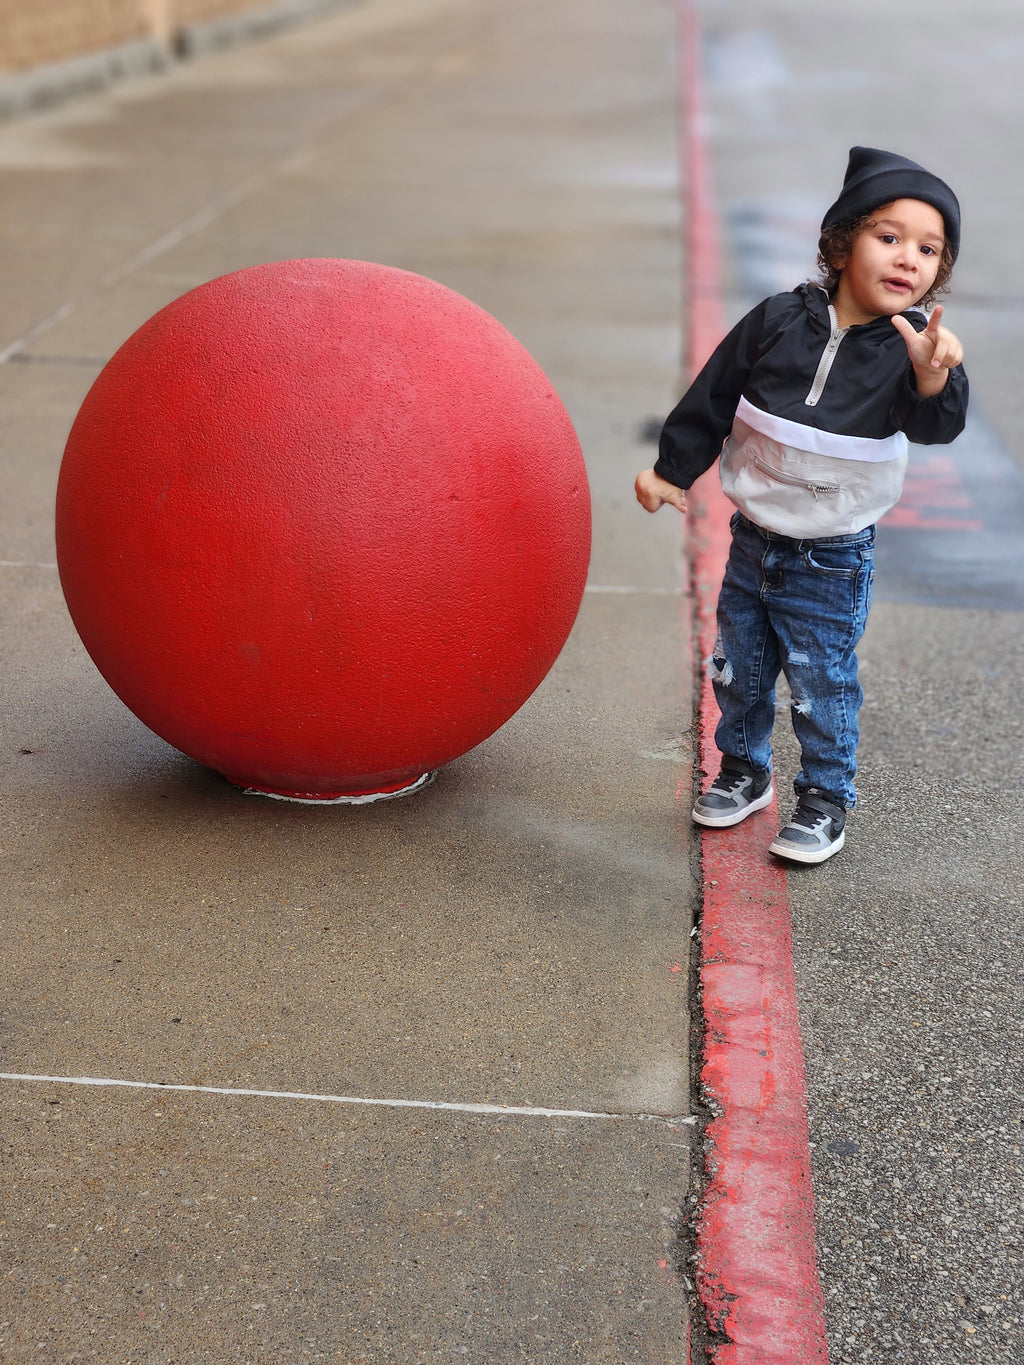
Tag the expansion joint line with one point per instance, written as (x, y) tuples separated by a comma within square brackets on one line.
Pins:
[(510, 1110)]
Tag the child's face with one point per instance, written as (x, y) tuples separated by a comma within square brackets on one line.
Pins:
[(892, 264)]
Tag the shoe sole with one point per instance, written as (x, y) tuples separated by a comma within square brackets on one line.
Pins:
[(819, 855), (726, 821)]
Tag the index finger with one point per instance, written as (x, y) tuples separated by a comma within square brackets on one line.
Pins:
[(934, 320)]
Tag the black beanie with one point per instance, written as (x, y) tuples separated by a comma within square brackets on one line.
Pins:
[(874, 178)]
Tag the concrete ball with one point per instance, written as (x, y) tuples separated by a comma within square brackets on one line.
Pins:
[(323, 525)]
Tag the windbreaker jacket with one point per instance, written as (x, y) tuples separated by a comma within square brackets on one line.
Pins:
[(814, 418)]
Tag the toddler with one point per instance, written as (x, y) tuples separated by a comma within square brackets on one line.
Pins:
[(815, 394)]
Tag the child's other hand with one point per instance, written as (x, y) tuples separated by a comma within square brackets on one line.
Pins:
[(652, 491), (936, 348)]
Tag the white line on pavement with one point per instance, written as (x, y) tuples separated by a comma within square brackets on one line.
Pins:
[(521, 1111), (626, 588)]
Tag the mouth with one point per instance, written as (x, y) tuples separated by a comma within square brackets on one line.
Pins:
[(897, 285)]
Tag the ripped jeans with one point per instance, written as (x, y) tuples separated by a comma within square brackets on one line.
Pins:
[(799, 607)]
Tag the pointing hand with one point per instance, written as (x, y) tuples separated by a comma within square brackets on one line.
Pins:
[(936, 348)]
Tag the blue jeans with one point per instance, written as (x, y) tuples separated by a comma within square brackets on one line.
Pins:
[(799, 607)]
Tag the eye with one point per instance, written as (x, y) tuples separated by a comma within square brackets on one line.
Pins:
[(929, 251), (889, 238)]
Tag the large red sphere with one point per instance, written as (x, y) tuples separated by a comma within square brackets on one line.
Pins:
[(323, 525)]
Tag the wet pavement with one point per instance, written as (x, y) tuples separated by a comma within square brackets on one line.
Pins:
[(908, 946)]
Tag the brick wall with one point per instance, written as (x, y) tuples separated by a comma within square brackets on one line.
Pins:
[(36, 33), (199, 11)]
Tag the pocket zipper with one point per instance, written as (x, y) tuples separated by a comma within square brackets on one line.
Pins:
[(794, 480)]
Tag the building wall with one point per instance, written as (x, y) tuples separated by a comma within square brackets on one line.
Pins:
[(200, 11), (55, 30), (35, 33)]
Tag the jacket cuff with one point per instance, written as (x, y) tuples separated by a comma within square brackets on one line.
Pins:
[(931, 399), (670, 475)]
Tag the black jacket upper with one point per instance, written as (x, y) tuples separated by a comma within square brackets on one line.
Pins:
[(771, 358)]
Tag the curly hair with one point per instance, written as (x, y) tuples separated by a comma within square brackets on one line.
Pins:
[(836, 242)]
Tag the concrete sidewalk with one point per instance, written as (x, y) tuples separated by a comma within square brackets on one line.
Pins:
[(514, 936)]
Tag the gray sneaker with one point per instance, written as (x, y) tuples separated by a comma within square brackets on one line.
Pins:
[(736, 792), (816, 831)]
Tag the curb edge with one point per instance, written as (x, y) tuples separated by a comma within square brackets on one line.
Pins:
[(757, 1275)]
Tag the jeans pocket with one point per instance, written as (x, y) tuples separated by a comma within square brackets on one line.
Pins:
[(838, 560)]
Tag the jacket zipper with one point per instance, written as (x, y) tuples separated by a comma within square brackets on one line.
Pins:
[(794, 481), (836, 334)]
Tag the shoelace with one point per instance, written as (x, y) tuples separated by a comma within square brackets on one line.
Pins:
[(809, 819), (727, 784)]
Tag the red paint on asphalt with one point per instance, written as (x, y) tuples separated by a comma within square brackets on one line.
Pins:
[(757, 1271), (935, 498)]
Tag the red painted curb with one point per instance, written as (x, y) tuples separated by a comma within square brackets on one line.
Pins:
[(757, 1274)]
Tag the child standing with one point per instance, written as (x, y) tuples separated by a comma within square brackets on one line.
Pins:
[(815, 394)]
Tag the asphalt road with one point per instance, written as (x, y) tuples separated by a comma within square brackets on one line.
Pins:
[(908, 946)]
